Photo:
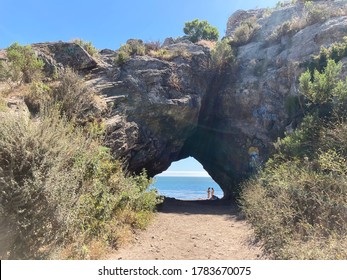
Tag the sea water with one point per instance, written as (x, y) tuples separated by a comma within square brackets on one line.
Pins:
[(186, 188)]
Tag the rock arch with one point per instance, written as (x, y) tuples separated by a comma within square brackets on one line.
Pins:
[(163, 109)]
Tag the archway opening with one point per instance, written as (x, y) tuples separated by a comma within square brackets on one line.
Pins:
[(186, 180)]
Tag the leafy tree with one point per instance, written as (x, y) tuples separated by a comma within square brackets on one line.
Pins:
[(200, 30)]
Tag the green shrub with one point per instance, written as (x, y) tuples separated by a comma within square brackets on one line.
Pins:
[(131, 48), (296, 204), (38, 180), (74, 98), (22, 66), (200, 30), (336, 52), (245, 32), (61, 188), (293, 106), (39, 95), (320, 90), (121, 57), (289, 28), (222, 54), (87, 46)]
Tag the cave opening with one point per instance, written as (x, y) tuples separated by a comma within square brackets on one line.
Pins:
[(186, 179)]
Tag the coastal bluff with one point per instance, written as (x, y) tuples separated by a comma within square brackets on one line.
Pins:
[(161, 109)]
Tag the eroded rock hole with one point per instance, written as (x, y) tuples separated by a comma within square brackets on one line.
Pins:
[(187, 180)]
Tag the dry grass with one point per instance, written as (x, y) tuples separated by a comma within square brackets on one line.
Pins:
[(245, 32), (175, 82), (207, 44), (73, 96), (313, 13), (170, 54), (3, 103)]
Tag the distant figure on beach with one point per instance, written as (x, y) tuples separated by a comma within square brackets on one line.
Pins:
[(212, 193), (208, 193)]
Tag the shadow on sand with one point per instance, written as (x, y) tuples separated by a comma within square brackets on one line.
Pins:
[(204, 207)]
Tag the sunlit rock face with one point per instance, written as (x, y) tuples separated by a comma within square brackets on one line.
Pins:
[(164, 109)]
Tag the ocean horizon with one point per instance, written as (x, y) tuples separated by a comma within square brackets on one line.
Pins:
[(186, 187)]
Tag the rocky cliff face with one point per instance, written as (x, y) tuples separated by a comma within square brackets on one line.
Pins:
[(163, 110)]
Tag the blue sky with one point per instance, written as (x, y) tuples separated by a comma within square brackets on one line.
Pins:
[(186, 167), (109, 23)]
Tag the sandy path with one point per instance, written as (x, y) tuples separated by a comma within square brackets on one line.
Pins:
[(187, 230)]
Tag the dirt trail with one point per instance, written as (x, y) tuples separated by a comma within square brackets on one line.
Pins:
[(188, 230)]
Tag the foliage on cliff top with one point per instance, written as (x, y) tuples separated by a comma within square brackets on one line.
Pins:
[(87, 46), (200, 30), (22, 65)]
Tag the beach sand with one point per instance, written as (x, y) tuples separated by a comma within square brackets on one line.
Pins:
[(189, 230)]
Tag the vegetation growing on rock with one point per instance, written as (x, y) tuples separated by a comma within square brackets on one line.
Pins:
[(297, 203), (22, 65), (222, 54), (244, 33), (88, 46), (63, 194), (200, 30)]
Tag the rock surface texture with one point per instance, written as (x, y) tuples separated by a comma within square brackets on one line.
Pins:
[(163, 110)]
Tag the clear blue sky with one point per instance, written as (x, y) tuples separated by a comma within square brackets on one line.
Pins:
[(185, 167), (109, 23)]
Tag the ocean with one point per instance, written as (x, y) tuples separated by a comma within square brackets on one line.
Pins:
[(186, 188)]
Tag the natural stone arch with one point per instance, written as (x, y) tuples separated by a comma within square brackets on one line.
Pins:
[(163, 109)]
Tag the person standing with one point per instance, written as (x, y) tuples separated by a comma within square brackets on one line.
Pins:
[(208, 193), (212, 193)]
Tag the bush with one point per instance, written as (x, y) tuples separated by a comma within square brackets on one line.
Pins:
[(316, 12), (23, 66), (244, 32), (38, 180), (320, 90), (222, 54), (293, 106), (295, 205), (74, 98), (131, 48), (287, 28), (38, 96), (336, 52), (87, 46), (326, 92), (170, 54), (298, 202), (200, 30), (152, 46), (61, 188)]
